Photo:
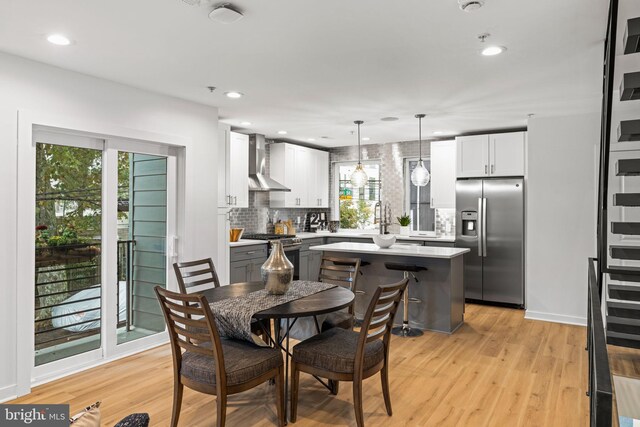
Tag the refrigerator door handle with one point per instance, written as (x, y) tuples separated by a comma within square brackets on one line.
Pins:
[(484, 227), (480, 226)]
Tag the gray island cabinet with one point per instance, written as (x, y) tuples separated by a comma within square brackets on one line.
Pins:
[(437, 299)]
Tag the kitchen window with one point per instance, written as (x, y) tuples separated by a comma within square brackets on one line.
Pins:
[(356, 206), (418, 199)]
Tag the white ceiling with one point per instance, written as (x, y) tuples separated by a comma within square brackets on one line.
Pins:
[(311, 67)]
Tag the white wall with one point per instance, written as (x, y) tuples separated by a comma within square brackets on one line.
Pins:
[(561, 215), (44, 89)]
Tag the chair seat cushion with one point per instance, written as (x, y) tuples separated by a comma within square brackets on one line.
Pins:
[(340, 319), (243, 362), (335, 350)]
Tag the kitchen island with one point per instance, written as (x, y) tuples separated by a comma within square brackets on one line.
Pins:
[(436, 299)]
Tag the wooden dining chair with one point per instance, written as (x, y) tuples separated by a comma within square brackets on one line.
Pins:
[(205, 363), (201, 272), (342, 272), (345, 355), (195, 273)]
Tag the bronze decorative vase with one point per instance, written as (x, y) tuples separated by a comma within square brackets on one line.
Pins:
[(277, 271)]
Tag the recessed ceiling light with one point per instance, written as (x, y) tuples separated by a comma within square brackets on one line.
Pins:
[(493, 50), (59, 39), (311, 139), (245, 123), (225, 14), (366, 138), (389, 119), (233, 94), (282, 132), (438, 132)]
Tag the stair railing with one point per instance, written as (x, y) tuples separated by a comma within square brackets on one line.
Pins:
[(605, 143)]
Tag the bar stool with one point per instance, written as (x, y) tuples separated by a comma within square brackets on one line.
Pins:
[(407, 269)]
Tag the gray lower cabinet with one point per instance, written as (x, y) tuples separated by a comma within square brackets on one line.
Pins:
[(246, 262), (310, 260)]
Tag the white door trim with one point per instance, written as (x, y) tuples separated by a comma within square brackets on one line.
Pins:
[(25, 231)]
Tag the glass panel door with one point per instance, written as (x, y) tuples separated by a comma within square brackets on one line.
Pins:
[(418, 199), (68, 265), (142, 243)]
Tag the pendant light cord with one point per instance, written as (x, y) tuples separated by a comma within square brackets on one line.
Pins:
[(359, 122), (420, 117), (420, 135), (359, 152)]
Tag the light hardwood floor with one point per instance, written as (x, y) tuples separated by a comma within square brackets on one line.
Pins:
[(497, 370)]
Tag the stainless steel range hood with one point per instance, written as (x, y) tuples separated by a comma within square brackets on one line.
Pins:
[(258, 181)]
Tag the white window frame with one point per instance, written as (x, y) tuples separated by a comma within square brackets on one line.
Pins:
[(336, 184)]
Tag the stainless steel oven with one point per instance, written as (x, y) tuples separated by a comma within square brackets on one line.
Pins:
[(292, 252)]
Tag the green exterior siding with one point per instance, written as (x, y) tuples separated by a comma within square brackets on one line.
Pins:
[(148, 227)]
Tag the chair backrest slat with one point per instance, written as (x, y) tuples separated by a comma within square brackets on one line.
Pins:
[(349, 268), (195, 273), (195, 348), (377, 334), (189, 321), (183, 309), (332, 277), (382, 310), (192, 273), (197, 335), (378, 322), (378, 319), (342, 272)]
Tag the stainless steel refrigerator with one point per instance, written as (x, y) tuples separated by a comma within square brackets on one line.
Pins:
[(490, 222)]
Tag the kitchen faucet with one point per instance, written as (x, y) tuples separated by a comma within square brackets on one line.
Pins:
[(384, 219)]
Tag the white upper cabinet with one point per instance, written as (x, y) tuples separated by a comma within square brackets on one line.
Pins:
[(233, 184), (506, 151), (305, 171), (319, 185), (491, 155), (473, 156), (443, 174)]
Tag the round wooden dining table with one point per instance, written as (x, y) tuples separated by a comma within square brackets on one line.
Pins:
[(322, 302)]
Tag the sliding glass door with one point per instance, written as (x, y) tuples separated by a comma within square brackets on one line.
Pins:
[(68, 262), (142, 243), (104, 211)]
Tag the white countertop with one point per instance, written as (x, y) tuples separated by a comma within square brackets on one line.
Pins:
[(355, 235), (247, 242), (397, 250)]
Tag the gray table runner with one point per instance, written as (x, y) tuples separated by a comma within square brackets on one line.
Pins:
[(233, 315)]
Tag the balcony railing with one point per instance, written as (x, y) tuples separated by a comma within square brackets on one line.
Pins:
[(68, 291)]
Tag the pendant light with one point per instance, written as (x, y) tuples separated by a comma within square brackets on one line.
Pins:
[(420, 175), (359, 176)]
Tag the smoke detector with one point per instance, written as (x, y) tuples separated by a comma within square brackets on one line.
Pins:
[(225, 14), (470, 5)]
